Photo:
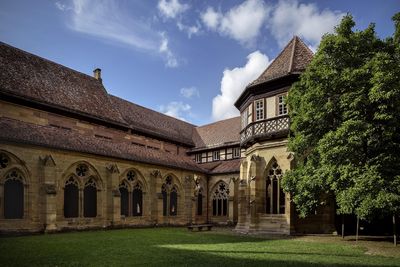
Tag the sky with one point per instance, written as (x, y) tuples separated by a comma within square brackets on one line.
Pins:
[(187, 59)]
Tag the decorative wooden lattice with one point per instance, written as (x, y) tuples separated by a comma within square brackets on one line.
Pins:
[(265, 128)]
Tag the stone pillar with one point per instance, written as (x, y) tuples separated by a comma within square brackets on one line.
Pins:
[(48, 193), (242, 224), (113, 195), (155, 196), (189, 184)]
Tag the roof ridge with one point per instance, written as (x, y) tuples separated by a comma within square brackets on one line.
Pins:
[(292, 54), (190, 124), (215, 122), (48, 60)]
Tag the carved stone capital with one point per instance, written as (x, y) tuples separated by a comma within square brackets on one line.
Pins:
[(50, 189), (112, 168)]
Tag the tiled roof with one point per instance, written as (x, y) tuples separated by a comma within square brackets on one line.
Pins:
[(221, 167), (220, 133), (40, 80), (25, 133), (152, 122), (294, 58)]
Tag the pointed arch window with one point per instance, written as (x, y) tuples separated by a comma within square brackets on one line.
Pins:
[(170, 197), (123, 190), (14, 196), (137, 200), (90, 199), (220, 200), (275, 197), (71, 198)]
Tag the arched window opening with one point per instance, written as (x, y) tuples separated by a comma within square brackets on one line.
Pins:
[(200, 203), (90, 199), (123, 190), (14, 196), (275, 197), (71, 198), (164, 197), (173, 206), (220, 200), (4, 160), (137, 200)]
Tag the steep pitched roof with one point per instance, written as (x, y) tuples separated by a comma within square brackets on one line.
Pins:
[(294, 58), (52, 137), (154, 123), (220, 133), (39, 80), (220, 167)]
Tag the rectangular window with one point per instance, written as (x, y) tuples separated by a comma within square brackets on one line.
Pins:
[(259, 109), (198, 158), (250, 114), (216, 155), (282, 107), (236, 152)]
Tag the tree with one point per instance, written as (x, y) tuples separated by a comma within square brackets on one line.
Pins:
[(345, 124)]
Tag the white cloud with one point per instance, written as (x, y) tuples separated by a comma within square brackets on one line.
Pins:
[(62, 7), (171, 60), (234, 82), (189, 92), (305, 20), (171, 9), (175, 109), (211, 18), (107, 20), (190, 30), (242, 22)]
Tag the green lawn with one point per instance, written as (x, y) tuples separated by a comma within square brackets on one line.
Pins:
[(179, 247)]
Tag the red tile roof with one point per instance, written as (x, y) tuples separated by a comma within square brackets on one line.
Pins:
[(220, 133), (222, 167), (155, 123), (40, 80), (294, 58), (47, 136)]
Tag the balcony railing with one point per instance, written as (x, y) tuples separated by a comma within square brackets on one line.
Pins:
[(264, 130)]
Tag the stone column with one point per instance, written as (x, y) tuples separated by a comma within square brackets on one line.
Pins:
[(155, 196), (242, 224), (49, 193), (113, 195), (189, 184)]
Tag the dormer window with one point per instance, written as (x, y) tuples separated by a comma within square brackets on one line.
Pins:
[(236, 152), (282, 107), (216, 155), (198, 158), (259, 109)]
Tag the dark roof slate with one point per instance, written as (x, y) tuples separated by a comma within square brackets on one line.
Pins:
[(220, 133), (294, 58), (47, 136), (153, 122), (37, 79), (221, 167)]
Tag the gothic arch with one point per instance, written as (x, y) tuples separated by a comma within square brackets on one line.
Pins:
[(275, 198), (138, 179), (83, 177), (219, 196)]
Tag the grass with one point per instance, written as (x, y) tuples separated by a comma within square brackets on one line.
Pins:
[(179, 247)]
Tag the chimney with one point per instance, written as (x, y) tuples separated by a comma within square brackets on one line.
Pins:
[(97, 74)]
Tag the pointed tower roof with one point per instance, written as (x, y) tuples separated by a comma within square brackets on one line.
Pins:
[(283, 71), (293, 59)]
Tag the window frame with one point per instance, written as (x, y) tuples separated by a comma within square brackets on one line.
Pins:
[(283, 104), (236, 152), (214, 157), (198, 158), (259, 110)]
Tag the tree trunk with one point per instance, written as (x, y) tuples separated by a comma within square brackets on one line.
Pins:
[(394, 231), (358, 226), (342, 226)]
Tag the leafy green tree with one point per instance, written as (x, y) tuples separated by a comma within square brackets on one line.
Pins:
[(345, 124)]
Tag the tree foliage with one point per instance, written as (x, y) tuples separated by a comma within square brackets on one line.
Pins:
[(345, 124)]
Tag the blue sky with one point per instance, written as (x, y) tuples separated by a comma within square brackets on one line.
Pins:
[(188, 59)]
